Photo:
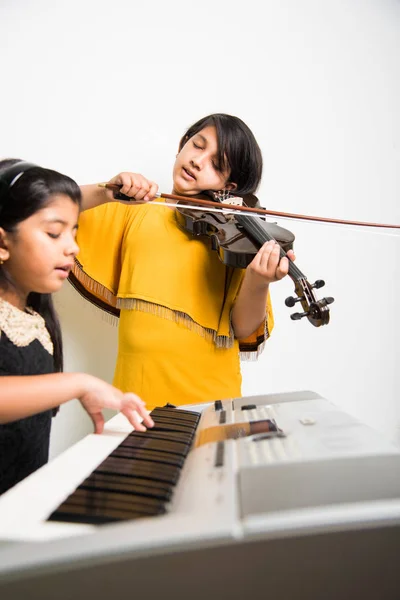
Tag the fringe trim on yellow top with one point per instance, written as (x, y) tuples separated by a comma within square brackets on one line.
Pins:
[(104, 299), (221, 341)]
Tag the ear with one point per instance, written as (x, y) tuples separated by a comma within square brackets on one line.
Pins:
[(4, 251), (231, 186)]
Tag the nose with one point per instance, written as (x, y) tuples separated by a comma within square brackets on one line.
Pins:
[(195, 163), (72, 248), (199, 159)]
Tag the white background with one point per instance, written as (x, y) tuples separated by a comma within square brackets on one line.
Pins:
[(91, 88)]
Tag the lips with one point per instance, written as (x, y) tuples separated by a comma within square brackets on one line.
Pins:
[(189, 173), (65, 268)]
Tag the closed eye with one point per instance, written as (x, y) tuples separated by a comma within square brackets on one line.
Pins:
[(215, 165), (53, 236)]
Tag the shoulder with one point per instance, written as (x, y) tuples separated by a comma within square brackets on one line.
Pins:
[(22, 328)]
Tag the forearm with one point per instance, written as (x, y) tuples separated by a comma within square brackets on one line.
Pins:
[(249, 309), (93, 195), (23, 396)]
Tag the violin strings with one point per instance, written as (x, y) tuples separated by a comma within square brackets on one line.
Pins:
[(254, 227)]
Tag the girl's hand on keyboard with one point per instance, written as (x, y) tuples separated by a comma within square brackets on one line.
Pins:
[(97, 394), (135, 411)]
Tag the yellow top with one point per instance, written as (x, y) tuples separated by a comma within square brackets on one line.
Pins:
[(174, 297)]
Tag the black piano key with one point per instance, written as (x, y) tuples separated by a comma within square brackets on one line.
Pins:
[(173, 436), (99, 502), (112, 499), (67, 513), (179, 415), (128, 485), (161, 425), (172, 419), (164, 458), (166, 434), (149, 443), (173, 410), (74, 513), (183, 415), (175, 425), (141, 469)]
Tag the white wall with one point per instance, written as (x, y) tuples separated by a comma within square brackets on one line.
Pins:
[(92, 88)]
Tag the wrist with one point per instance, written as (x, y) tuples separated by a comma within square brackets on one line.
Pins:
[(255, 284), (80, 383), (106, 195)]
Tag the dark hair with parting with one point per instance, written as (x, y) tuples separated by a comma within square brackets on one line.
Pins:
[(237, 150), (22, 195)]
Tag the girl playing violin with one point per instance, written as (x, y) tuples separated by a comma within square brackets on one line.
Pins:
[(185, 317)]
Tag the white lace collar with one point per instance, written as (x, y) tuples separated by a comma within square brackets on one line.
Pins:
[(22, 327)]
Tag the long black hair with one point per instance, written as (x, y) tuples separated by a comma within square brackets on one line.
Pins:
[(237, 149), (31, 192)]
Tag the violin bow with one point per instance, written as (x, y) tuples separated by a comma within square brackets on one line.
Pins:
[(260, 211)]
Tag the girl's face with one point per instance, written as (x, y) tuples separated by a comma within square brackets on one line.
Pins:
[(195, 168), (39, 255)]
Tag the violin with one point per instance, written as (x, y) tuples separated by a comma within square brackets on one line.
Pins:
[(238, 237)]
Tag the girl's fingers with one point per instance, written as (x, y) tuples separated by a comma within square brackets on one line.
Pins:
[(135, 186), (268, 264), (141, 193), (98, 421), (262, 255), (270, 259), (152, 192), (129, 189), (133, 399), (291, 255), (132, 184), (267, 259), (124, 180), (106, 396), (133, 419), (147, 420), (136, 404), (283, 268)]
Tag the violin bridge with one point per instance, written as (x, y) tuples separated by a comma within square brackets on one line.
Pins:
[(226, 197), (234, 201)]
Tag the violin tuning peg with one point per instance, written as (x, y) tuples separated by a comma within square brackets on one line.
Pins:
[(318, 284), (291, 301), (329, 300), (298, 316)]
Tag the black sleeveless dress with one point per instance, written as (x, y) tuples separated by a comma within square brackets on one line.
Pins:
[(25, 349)]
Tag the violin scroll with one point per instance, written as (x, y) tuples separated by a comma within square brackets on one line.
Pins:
[(316, 311)]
